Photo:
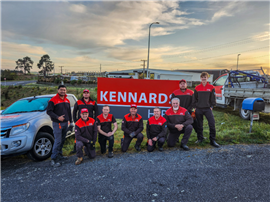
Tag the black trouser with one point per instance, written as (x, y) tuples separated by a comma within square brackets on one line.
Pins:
[(211, 122), (174, 136), (102, 139), (195, 125), (91, 153), (127, 140), (160, 141)]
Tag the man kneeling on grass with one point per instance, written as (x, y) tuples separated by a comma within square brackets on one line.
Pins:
[(156, 130), (86, 135)]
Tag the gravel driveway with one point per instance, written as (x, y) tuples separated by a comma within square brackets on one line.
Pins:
[(230, 173)]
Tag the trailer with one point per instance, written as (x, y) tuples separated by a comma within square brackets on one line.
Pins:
[(234, 86)]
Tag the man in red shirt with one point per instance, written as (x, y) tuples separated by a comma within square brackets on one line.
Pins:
[(204, 99), (185, 96), (85, 102), (178, 121), (132, 125), (86, 135), (104, 126), (156, 130)]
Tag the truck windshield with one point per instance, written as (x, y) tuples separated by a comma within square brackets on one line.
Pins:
[(27, 105)]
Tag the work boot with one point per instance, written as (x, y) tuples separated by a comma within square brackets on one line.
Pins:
[(61, 157), (199, 141), (138, 148), (110, 155), (79, 160), (74, 149), (160, 149), (185, 147), (54, 163), (214, 144)]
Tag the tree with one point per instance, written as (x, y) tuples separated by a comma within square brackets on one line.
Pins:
[(45, 64), (25, 64)]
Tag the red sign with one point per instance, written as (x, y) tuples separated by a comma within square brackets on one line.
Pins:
[(115, 91)]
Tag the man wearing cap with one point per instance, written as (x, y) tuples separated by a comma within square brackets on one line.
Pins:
[(185, 96), (88, 103), (132, 125), (104, 126), (86, 135), (60, 113), (156, 130), (204, 99), (178, 121)]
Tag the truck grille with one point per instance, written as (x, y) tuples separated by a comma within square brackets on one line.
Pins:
[(5, 132)]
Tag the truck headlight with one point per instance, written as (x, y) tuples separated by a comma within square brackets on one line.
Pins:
[(19, 129)]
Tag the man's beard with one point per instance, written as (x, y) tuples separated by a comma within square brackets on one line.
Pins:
[(183, 88), (175, 108)]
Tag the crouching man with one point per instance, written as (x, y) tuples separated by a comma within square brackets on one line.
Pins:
[(156, 130), (179, 121), (86, 135), (132, 125)]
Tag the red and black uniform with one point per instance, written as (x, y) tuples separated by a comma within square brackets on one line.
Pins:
[(81, 104), (130, 125), (86, 135), (184, 97), (156, 128), (186, 102), (58, 107), (204, 98), (106, 126), (183, 117)]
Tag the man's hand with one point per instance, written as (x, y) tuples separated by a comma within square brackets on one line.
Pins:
[(179, 127), (109, 134), (150, 142), (61, 118), (154, 139), (132, 135), (211, 108)]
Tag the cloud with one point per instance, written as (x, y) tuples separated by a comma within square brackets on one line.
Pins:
[(264, 36), (93, 24), (228, 10)]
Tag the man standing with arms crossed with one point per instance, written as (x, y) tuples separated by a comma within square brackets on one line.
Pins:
[(178, 121), (204, 99), (104, 126), (156, 129), (59, 111), (88, 103), (132, 125)]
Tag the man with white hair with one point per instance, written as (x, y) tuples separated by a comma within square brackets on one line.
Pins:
[(178, 121)]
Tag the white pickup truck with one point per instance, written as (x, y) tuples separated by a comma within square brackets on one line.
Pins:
[(235, 86)]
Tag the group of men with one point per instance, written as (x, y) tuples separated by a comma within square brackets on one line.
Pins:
[(186, 113)]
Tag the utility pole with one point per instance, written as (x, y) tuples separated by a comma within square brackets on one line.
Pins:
[(61, 68), (143, 67), (100, 71)]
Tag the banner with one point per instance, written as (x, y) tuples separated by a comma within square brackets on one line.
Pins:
[(120, 93)]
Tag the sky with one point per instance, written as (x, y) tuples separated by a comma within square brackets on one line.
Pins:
[(113, 35)]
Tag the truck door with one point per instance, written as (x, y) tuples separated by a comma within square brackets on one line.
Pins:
[(219, 88)]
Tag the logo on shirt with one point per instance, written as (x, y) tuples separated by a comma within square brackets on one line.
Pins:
[(208, 89), (188, 93), (109, 119), (136, 119), (160, 124), (90, 124), (181, 113)]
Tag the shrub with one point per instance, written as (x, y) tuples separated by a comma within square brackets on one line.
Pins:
[(57, 80), (19, 86), (79, 81), (73, 82)]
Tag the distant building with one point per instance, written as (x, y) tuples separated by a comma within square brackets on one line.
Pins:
[(191, 77), (215, 72)]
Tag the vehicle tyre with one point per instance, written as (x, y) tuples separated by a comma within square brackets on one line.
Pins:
[(42, 148), (244, 114)]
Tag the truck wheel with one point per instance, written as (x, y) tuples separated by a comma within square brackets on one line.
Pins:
[(42, 148), (245, 114)]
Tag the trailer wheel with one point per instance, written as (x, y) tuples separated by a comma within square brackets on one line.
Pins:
[(245, 114)]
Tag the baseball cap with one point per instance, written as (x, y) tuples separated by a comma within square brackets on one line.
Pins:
[(133, 105), (86, 90), (182, 80), (84, 110)]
